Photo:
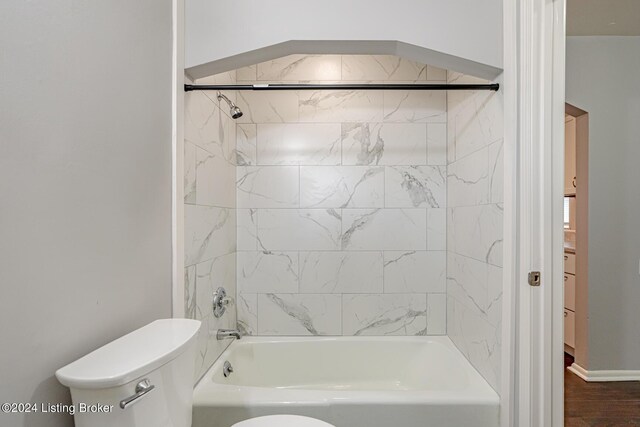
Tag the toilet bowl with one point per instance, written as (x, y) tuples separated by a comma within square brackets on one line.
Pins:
[(143, 379), (282, 421)]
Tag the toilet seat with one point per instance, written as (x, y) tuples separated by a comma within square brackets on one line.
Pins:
[(282, 421)]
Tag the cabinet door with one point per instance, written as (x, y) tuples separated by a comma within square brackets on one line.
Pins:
[(570, 291), (570, 328), (570, 263), (570, 156)]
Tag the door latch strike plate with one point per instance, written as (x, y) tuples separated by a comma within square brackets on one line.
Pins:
[(534, 278)]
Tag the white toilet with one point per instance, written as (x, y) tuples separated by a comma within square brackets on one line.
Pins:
[(144, 379), (282, 421)]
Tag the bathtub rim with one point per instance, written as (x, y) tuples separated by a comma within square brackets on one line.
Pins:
[(208, 392)]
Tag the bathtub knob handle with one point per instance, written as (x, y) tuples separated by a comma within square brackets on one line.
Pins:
[(227, 369), (220, 302)]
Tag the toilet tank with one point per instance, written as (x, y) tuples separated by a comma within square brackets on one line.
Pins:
[(142, 379)]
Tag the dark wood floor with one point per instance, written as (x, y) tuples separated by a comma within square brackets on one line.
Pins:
[(599, 404)]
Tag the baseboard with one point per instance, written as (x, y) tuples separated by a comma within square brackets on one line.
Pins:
[(599, 376)]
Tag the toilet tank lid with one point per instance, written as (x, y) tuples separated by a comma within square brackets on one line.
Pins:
[(131, 356)]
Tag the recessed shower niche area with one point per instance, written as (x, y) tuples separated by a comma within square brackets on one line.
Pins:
[(345, 211)]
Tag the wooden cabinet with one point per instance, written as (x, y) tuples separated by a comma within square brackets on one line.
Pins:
[(569, 328), (570, 182), (569, 301), (569, 263), (570, 292)]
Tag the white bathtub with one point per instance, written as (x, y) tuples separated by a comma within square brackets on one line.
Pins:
[(348, 382)]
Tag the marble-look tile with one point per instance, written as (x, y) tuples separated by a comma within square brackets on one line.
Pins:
[(477, 339), (414, 271), (460, 78), (467, 282), (361, 144), (341, 186), (268, 106), (299, 314), (415, 106), (209, 233), (474, 227), (468, 180), (190, 292), (260, 271), (246, 138), (340, 106), (212, 274), (436, 314), (299, 144), (384, 229), (226, 78), (404, 143), (494, 295), (496, 172), (436, 74), (247, 73), (451, 139), (384, 314), (208, 127), (299, 229), (189, 173), (201, 351), (415, 186), (476, 232), (340, 272), (437, 229), (247, 230), (247, 314), (436, 143), (268, 186), (381, 67), (384, 144), (300, 67), (209, 275), (208, 347), (215, 180), (476, 120)]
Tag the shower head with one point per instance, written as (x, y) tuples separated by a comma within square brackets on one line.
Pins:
[(233, 108), (235, 112)]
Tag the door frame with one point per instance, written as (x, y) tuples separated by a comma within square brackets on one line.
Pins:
[(581, 359), (177, 160), (534, 52)]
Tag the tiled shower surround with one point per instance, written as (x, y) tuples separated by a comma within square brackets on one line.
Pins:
[(210, 216), (347, 212), (475, 225), (341, 199)]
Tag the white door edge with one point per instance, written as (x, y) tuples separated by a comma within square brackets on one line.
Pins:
[(177, 161), (535, 212)]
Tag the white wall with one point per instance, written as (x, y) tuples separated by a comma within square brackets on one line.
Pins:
[(85, 185), (602, 79), (449, 30)]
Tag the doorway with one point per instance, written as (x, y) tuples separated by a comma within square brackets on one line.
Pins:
[(576, 213)]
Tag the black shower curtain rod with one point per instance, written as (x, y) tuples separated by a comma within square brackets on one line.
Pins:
[(348, 86)]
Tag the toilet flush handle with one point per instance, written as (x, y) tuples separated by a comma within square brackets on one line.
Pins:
[(142, 388)]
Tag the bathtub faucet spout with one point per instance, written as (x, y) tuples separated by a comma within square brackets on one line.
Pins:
[(228, 333)]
